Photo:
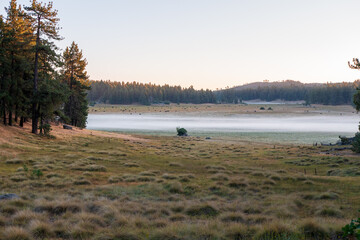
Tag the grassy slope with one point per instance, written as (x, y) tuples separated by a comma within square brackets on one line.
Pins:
[(99, 186)]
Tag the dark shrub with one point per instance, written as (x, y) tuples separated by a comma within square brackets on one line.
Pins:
[(350, 231), (356, 143), (181, 131)]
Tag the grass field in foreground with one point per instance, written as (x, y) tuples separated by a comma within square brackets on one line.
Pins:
[(105, 187)]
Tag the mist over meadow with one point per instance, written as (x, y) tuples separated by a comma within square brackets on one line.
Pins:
[(313, 127)]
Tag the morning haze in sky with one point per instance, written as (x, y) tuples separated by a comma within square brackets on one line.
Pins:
[(213, 44)]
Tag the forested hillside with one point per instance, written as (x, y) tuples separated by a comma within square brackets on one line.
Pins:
[(328, 94), (38, 81), (139, 93)]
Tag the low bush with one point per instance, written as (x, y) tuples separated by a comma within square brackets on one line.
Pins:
[(37, 173), (352, 230), (356, 143), (181, 131)]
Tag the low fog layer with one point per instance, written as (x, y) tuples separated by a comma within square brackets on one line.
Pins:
[(239, 123)]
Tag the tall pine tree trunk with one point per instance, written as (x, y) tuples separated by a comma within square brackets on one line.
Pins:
[(35, 117), (21, 121), (10, 116), (16, 113), (38, 111), (4, 112), (41, 122), (11, 90), (71, 96)]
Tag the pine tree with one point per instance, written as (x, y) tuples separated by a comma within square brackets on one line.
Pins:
[(4, 69), (75, 75), (356, 99), (18, 47), (30, 83), (45, 24), (355, 65)]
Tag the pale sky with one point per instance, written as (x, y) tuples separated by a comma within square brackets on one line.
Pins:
[(213, 43)]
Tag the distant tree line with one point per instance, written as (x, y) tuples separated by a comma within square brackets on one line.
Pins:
[(327, 94), (333, 94), (139, 93), (264, 93), (134, 92), (37, 81)]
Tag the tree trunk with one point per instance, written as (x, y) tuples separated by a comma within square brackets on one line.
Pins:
[(37, 112), (10, 117), (41, 124), (16, 113), (21, 121), (11, 90), (35, 117), (4, 113)]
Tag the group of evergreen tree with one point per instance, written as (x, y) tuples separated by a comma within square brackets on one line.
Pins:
[(37, 81), (131, 93), (327, 94), (139, 93), (333, 94), (264, 93)]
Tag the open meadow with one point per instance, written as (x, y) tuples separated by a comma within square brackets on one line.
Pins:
[(179, 120), (269, 123), (225, 109), (86, 184)]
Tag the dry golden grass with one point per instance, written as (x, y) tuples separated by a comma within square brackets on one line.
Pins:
[(218, 108), (107, 187)]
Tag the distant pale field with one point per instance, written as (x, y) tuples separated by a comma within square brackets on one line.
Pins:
[(223, 108), (276, 124)]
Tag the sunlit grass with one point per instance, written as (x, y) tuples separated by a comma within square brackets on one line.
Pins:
[(173, 188)]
